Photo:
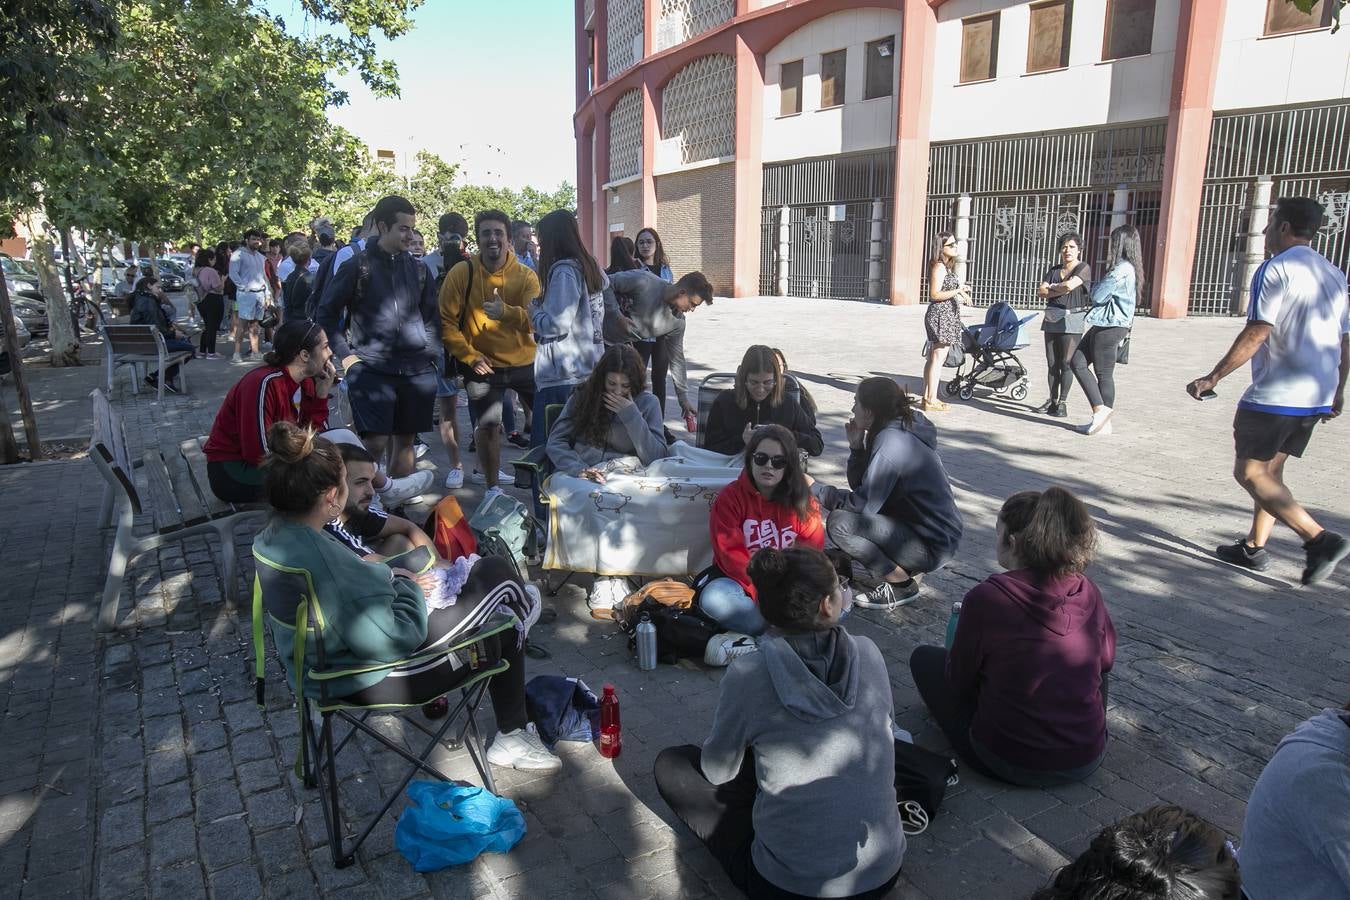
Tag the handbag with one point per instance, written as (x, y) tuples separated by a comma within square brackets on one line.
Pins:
[(269, 318), (1123, 350), (956, 355), (922, 776)]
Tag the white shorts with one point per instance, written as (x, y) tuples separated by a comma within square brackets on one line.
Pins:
[(250, 304)]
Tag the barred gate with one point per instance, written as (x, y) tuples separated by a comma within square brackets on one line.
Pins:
[(839, 226), (1305, 152), (1028, 190)]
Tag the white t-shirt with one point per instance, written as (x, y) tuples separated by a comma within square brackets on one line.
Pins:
[(1302, 296), (287, 266)]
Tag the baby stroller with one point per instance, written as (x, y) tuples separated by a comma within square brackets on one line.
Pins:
[(989, 348)]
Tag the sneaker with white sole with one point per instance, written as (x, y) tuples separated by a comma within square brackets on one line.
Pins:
[(522, 749), (409, 487), (725, 647), (1101, 420), (454, 479), (477, 477), (420, 449), (607, 593), (887, 596)]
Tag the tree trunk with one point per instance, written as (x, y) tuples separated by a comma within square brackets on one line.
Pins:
[(96, 273), (61, 334), (9, 451)]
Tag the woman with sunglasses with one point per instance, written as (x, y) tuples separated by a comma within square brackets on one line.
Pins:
[(292, 385), (942, 322), (769, 505), (759, 398), (899, 519)]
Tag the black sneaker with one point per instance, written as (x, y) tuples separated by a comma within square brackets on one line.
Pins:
[(172, 387), (887, 596), (518, 440), (1045, 408), (1239, 554), (1060, 410), (1324, 552)]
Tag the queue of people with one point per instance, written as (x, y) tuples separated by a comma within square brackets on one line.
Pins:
[(793, 791)]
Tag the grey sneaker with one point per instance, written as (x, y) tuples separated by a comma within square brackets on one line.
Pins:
[(887, 596), (1239, 554), (723, 648)]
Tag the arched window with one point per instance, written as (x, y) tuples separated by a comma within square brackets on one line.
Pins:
[(625, 136)]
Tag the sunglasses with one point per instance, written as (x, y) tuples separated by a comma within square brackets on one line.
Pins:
[(764, 459)]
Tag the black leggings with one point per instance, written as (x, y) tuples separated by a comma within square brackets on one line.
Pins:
[(212, 309), (492, 582), (656, 356), (1059, 350), (720, 815), (1098, 349)]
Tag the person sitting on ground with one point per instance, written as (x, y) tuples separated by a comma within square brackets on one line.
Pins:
[(768, 505), (376, 613), (1162, 853), (1021, 695), (1296, 834), (656, 322), (793, 792), (149, 306), (609, 415), (759, 398), (900, 519)]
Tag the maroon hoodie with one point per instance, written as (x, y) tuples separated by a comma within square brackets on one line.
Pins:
[(1029, 654)]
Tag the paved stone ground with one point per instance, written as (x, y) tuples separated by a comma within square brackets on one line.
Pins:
[(138, 765)]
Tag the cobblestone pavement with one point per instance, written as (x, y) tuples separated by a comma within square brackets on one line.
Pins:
[(138, 765)]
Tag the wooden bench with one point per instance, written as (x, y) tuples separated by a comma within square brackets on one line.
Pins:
[(141, 345), (178, 496)]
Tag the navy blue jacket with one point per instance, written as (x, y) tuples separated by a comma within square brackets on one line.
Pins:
[(394, 318)]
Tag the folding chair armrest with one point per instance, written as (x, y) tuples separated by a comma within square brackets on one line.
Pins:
[(533, 461), (499, 622)]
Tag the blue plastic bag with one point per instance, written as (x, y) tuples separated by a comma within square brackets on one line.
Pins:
[(448, 824)]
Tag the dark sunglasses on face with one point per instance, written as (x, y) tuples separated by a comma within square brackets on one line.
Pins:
[(764, 459)]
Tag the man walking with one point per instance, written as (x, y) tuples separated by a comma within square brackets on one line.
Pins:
[(248, 271), (658, 311), (388, 300), (486, 326), (1298, 340)]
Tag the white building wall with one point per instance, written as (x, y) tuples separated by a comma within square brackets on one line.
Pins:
[(858, 124), (1089, 92), (1257, 71)]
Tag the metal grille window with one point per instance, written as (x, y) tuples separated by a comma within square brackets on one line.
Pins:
[(1129, 28), (1283, 17), (790, 88), (879, 69), (681, 20), (698, 112), (623, 35), (1048, 42), (832, 70), (979, 48), (625, 136)]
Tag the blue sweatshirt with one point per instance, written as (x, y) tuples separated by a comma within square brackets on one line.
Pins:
[(568, 322), (395, 324)]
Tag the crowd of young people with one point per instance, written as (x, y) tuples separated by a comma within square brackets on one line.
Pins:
[(804, 726)]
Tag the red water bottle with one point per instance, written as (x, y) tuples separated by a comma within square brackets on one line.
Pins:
[(611, 742)]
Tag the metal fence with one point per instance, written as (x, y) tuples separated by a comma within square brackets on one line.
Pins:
[(838, 226)]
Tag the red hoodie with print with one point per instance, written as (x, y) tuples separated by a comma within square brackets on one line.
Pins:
[(267, 394), (743, 522)]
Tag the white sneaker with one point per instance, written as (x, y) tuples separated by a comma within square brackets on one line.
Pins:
[(1100, 419), (607, 593), (420, 449), (725, 647), (409, 487), (454, 479), (522, 749), (236, 357), (492, 491), (477, 477)]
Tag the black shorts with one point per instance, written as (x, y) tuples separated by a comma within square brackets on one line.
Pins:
[(1261, 435), (387, 404), (485, 392)]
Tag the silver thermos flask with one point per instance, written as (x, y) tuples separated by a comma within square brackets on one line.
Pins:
[(646, 644)]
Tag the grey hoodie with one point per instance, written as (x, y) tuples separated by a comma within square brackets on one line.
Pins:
[(653, 318), (568, 322), (902, 479), (1296, 836), (637, 431), (817, 710)]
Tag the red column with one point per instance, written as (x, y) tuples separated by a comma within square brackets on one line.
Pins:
[(1188, 122), (918, 31), (651, 132), (600, 232), (749, 175), (585, 188), (583, 52), (601, 24)]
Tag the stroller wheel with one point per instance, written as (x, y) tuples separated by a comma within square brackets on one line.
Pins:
[(953, 386), (967, 391), (1019, 392)]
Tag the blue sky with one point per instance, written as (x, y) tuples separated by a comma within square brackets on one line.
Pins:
[(484, 83)]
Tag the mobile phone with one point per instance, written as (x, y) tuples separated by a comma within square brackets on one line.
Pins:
[(1207, 395)]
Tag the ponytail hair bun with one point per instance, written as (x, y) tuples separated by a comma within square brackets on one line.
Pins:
[(789, 585), (299, 467), (270, 358), (1053, 530)]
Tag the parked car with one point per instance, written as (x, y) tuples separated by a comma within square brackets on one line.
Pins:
[(170, 274), (20, 335), (32, 313), (21, 277)]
